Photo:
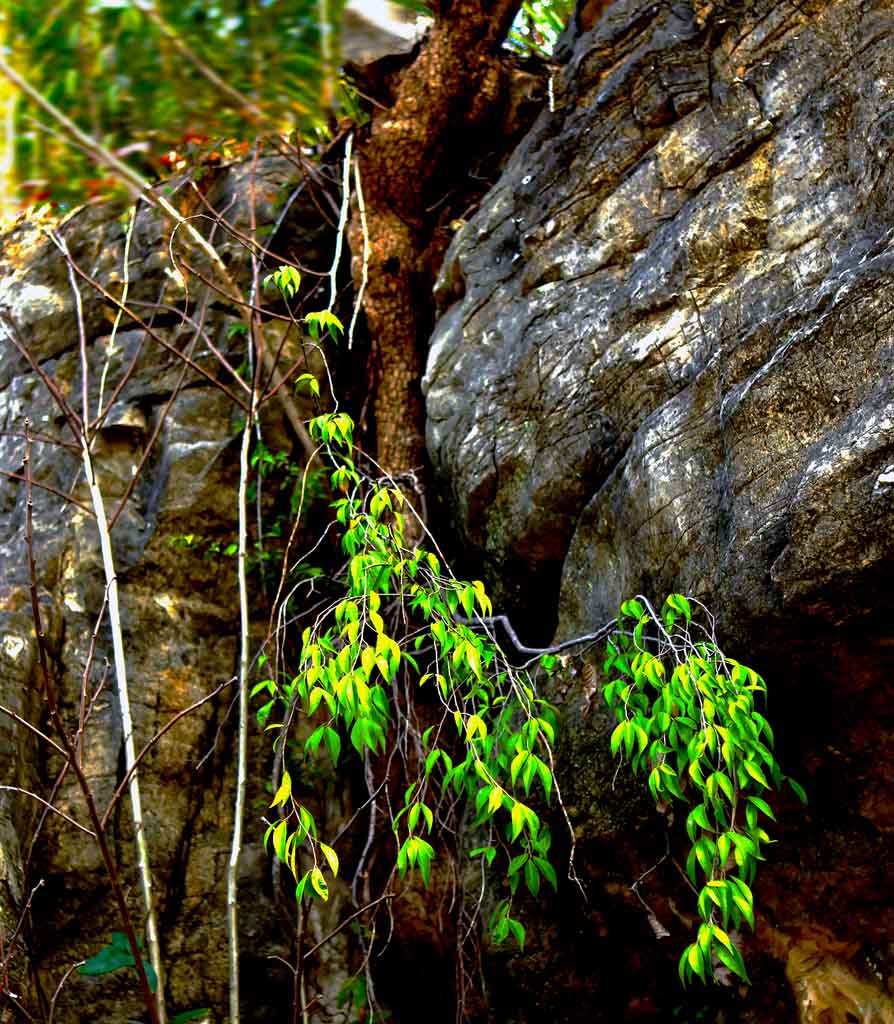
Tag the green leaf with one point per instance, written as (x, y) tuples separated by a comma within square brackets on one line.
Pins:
[(474, 725), (432, 759), (516, 864), (548, 871), (489, 852), (307, 821), (755, 772), (680, 604), (798, 790), (313, 741), (745, 908), (301, 886), (333, 743), (115, 956), (705, 904), (655, 784), (280, 834), (696, 962), (517, 763), (495, 800), (698, 816), (732, 958), (325, 320), (617, 737), (188, 1015), (532, 878), (762, 806), (546, 777), (424, 853), (721, 936), (518, 819), (704, 852)]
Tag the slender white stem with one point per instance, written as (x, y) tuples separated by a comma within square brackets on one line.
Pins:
[(145, 871), (108, 564), (111, 348), (242, 740), (342, 219), (364, 270)]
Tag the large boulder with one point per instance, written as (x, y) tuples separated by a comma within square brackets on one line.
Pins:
[(663, 364)]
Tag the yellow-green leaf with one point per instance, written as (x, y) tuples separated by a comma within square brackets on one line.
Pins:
[(331, 857), (319, 884), (284, 791)]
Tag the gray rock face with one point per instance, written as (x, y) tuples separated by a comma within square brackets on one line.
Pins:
[(179, 609), (666, 332), (664, 363)]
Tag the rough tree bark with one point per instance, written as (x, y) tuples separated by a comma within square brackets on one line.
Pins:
[(412, 150)]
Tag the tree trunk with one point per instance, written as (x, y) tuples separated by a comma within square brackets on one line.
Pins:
[(419, 146)]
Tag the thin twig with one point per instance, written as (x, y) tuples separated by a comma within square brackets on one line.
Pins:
[(342, 221), (145, 872), (33, 728), (253, 245), (59, 987), (23, 914), (347, 921), (158, 339), (51, 490), (49, 806), (150, 444), (110, 348), (502, 620), (242, 741)]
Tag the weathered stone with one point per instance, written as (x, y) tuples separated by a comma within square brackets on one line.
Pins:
[(664, 364), (179, 607)]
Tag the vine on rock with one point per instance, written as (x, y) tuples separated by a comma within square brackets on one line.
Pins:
[(403, 622), (400, 621), (687, 714)]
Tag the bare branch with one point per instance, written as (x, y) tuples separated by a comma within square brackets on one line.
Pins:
[(156, 337), (14, 937), (33, 728), (55, 810), (52, 490), (347, 921), (68, 973)]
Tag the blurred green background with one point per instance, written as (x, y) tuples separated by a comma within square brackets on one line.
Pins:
[(139, 78)]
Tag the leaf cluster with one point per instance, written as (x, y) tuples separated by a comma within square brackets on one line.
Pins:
[(402, 621), (687, 716)]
